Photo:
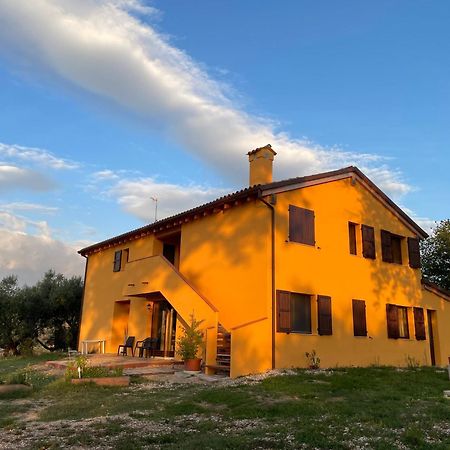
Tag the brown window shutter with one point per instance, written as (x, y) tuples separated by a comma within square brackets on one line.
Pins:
[(414, 253), (117, 260), (301, 225), (324, 315), (368, 240), (283, 311), (359, 318), (419, 324), (392, 321), (386, 246)]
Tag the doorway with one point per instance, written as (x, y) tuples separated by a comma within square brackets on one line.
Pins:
[(164, 324), (170, 243), (121, 315), (431, 318)]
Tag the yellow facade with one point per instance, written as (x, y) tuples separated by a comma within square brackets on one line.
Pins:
[(226, 269)]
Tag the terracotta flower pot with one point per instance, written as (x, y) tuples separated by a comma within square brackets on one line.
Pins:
[(192, 364)]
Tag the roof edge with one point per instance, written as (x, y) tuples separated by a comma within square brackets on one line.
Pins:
[(252, 191), (436, 289)]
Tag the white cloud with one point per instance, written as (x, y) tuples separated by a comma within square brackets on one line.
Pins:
[(29, 256), (35, 155), (29, 250), (23, 206), (425, 223), (104, 175), (13, 177), (135, 197), (100, 47)]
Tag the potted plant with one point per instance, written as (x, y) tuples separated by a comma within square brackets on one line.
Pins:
[(189, 343)]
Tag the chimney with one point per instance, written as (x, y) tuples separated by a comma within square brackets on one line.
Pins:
[(261, 161)]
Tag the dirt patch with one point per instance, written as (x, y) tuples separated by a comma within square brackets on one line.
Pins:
[(7, 388)]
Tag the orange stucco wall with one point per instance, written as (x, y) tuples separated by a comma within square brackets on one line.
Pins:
[(225, 258), (329, 269)]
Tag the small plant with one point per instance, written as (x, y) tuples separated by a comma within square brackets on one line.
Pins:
[(412, 362), (313, 360), (81, 362), (191, 340), (71, 371), (76, 368)]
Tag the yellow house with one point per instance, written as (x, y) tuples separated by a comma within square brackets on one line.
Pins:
[(325, 262)]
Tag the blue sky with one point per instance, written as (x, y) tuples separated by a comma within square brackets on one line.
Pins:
[(106, 103)]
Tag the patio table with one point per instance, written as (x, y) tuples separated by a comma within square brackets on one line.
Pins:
[(86, 342)]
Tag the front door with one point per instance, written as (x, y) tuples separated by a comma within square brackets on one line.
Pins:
[(163, 328), (431, 336)]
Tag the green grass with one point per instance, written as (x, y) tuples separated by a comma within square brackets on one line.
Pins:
[(14, 363), (379, 408)]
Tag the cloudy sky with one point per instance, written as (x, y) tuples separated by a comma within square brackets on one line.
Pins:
[(105, 104)]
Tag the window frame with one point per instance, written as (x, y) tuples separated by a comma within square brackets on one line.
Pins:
[(285, 312), (397, 321), (352, 238), (117, 262), (359, 329), (391, 247)]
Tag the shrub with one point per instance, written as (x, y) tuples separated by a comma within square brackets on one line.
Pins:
[(29, 377), (313, 360), (191, 340)]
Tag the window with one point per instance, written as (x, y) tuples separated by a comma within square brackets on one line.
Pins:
[(397, 322), (414, 253), (359, 318), (419, 324), (352, 238), (324, 319), (391, 247), (368, 241), (403, 329), (293, 312), (301, 225), (117, 261), (396, 242)]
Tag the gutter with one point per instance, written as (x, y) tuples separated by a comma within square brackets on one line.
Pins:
[(272, 210)]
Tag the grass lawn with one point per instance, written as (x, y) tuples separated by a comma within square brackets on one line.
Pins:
[(371, 408)]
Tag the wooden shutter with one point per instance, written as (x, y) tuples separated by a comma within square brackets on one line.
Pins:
[(283, 311), (419, 324), (368, 241), (117, 260), (301, 225), (324, 315), (359, 318), (386, 246), (414, 253), (392, 321)]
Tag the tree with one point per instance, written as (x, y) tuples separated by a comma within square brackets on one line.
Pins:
[(435, 252), (48, 313)]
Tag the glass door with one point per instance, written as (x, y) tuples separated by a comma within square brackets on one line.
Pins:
[(163, 328)]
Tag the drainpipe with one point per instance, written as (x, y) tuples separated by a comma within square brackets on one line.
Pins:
[(272, 210)]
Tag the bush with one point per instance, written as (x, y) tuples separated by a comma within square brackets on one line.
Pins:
[(29, 377), (92, 372)]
